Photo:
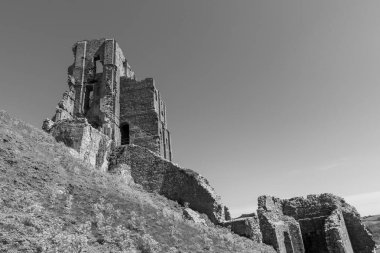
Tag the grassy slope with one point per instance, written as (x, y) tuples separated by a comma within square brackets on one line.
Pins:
[(373, 224), (51, 202)]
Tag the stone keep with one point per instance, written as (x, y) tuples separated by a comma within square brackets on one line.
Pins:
[(103, 89)]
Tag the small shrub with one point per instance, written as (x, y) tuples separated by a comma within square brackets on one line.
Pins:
[(173, 250), (136, 222), (147, 244), (207, 242)]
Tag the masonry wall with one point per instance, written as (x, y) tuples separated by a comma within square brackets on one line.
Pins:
[(156, 174), (313, 234), (103, 89), (142, 108), (324, 205), (337, 238), (278, 230), (246, 226), (95, 76), (92, 146)]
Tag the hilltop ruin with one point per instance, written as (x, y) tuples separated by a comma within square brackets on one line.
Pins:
[(118, 125), (103, 90)]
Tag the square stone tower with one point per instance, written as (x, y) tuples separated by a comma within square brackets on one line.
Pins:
[(103, 89)]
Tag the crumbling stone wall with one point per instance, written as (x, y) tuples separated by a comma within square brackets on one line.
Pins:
[(247, 226), (159, 175), (327, 224), (337, 238), (324, 205), (103, 88), (278, 230), (313, 234), (142, 106), (92, 146), (96, 73)]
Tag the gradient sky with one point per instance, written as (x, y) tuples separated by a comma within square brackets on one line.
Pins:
[(264, 97)]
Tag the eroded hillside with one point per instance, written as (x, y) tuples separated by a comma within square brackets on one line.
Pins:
[(53, 202)]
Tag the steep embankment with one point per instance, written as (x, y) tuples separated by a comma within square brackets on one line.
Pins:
[(52, 202), (373, 224)]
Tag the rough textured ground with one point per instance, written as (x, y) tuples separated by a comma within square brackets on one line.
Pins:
[(373, 224), (52, 202)]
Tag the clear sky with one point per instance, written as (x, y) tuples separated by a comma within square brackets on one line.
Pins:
[(264, 97)]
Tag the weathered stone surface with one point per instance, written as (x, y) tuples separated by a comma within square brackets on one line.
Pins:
[(190, 214), (246, 226), (103, 89), (142, 108), (337, 238), (124, 171), (227, 213), (92, 146), (327, 224), (278, 230), (47, 125), (156, 174), (323, 205)]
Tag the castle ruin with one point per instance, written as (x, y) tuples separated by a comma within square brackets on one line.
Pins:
[(118, 125), (103, 89)]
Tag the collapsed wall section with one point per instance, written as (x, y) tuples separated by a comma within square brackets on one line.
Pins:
[(337, 238), (91, 146), (313, 234), (103, 89), (324, 205), (156, 174), (96, 73), (327, 224), (278, 230)]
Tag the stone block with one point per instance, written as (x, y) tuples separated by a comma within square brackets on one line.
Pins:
[(92, 146), (47, 125)]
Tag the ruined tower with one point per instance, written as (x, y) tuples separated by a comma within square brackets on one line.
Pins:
[(103, 89)]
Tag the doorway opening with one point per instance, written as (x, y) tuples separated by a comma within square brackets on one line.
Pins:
[(124, 130)]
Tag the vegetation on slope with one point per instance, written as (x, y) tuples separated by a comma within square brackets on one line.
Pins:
[(52, 202), (373, 224)]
